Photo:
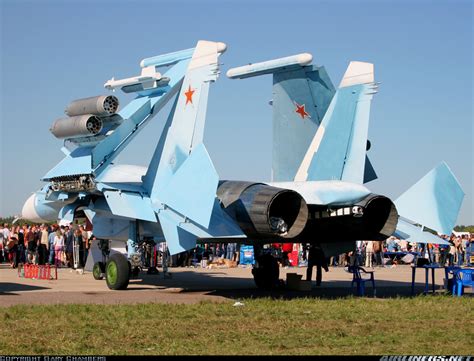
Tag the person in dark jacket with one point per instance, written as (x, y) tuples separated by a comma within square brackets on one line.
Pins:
[(21, 246), (68, 245), (316, 258), (32, 245), (79, 244)]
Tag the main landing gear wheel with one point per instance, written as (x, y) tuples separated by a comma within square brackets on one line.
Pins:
[(117, 272), (98, 270), (266, 272)]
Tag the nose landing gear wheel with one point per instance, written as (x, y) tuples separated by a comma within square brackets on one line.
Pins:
[(98, 270)]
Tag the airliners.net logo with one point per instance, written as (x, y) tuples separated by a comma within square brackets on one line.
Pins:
[(426, 358)]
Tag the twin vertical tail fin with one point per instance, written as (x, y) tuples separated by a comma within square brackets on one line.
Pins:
[(301, 96), (338, 149), (304, 99), (433, 202), (181, 178), (300, 100)]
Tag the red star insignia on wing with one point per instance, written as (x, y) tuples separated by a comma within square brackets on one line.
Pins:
[(189, 95), (301, 111)]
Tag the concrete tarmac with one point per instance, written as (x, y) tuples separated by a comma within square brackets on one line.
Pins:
[(191, 285)]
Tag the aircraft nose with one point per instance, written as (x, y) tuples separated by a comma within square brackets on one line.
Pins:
[(29, 210)]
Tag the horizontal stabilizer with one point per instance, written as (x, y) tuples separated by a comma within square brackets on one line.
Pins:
[(434, 201), (412, 233)]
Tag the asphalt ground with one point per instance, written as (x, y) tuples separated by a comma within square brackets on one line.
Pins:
[(192, 285)]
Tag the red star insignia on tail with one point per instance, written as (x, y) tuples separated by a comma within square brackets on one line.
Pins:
[(301, 111), (189, 95)]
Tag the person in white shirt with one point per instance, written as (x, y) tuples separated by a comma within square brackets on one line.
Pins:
[(403, 245), (369, 252), (5, 233), (58, 247)]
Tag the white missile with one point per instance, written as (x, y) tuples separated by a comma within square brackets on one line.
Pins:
[(268, 67), (148, 79)]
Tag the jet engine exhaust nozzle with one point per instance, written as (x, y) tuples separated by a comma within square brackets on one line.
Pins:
[(380, 216), (264, 211)]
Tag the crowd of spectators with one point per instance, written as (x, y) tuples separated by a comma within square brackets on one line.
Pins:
[(68, 246), (455, 252), (366, 253), (44, 244)]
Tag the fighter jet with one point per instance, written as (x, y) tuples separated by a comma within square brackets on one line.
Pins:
[(321, 134), (179, 198)]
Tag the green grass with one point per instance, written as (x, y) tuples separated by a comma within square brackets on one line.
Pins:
[(421, 325)]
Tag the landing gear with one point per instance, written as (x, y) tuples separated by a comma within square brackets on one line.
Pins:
[(120, 268), (135, 271), (151, 257), (152, 271), (98, 271), (117, 272), (266, 271)]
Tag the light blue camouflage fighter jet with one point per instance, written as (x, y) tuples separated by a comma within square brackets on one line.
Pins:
[(320, 134), (178, 198)]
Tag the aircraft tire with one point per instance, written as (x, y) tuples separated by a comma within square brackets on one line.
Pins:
[(267, 273), (117, 272), (98, 270)]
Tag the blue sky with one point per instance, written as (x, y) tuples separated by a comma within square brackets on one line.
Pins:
[(55, 51)]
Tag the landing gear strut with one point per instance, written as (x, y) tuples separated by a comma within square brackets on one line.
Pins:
[(266, 271), (119, 268)]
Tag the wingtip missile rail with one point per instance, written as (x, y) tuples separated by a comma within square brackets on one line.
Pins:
[(167, 59), (172, 58), (150, 79), (268, 67)]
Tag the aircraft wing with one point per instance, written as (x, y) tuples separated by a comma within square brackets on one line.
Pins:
[(413, 233), (181, 178)]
